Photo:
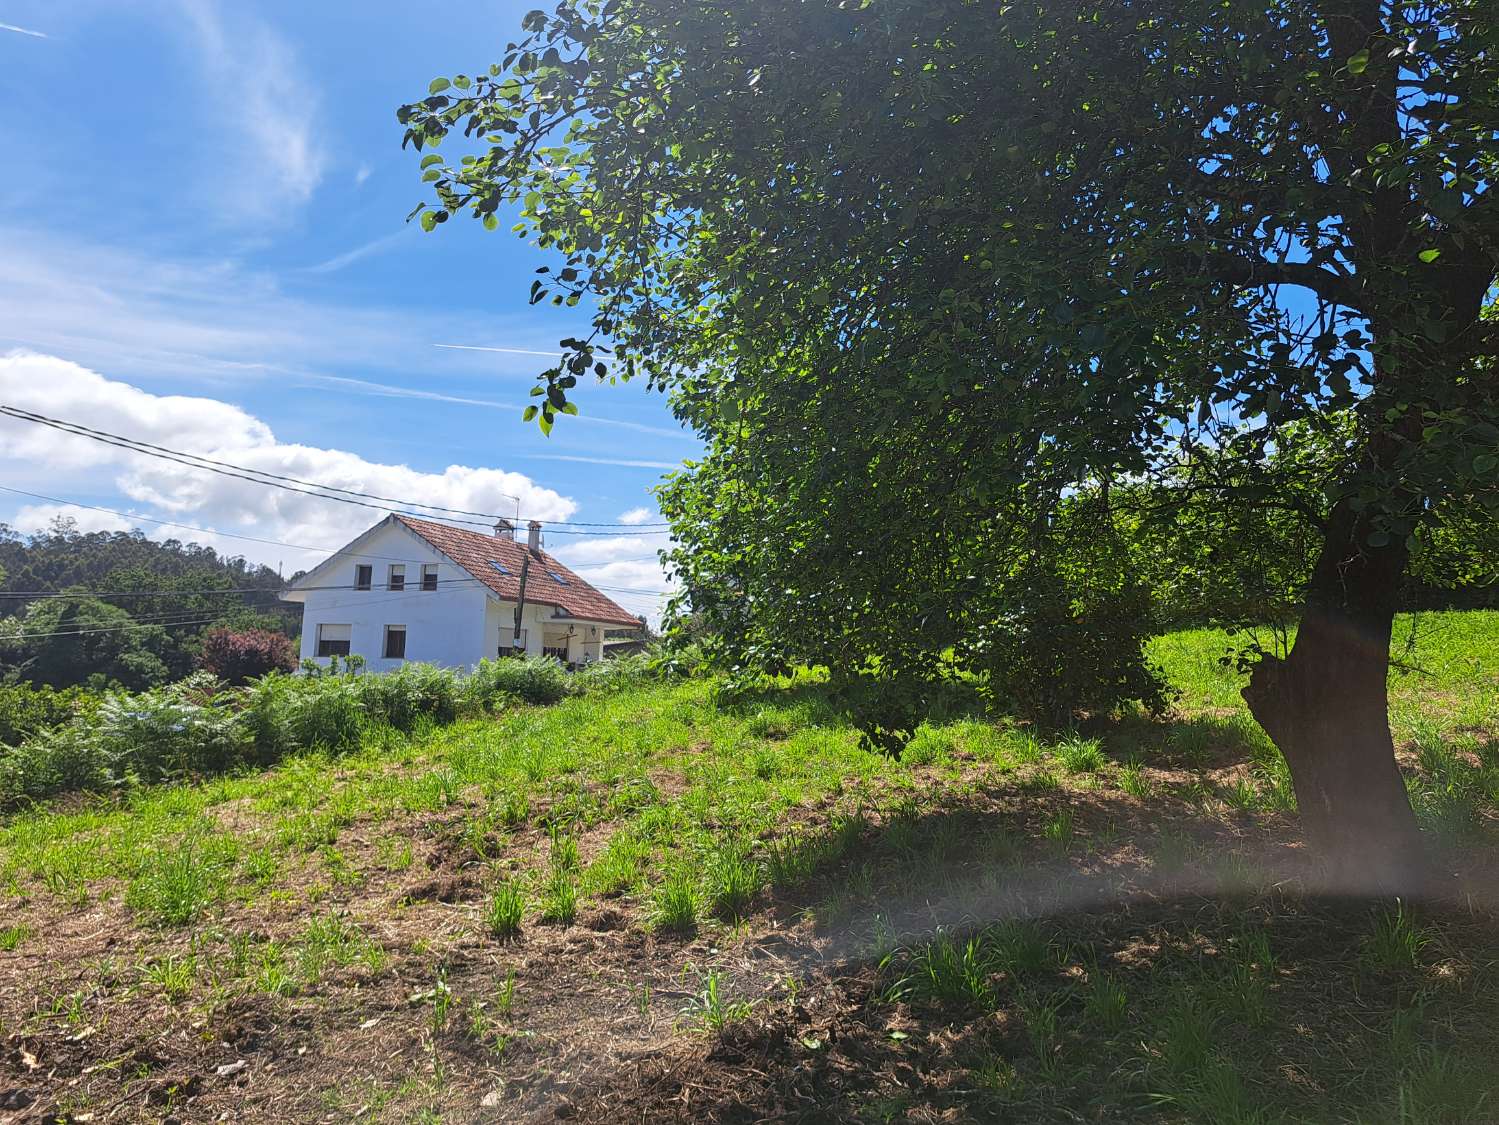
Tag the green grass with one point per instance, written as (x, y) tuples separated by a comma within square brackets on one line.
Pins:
[(709, 827)]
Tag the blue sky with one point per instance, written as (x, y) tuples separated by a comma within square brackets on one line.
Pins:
[(202, 244)]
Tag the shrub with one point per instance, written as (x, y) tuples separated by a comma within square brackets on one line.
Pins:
[(54, 761), (27, 710), (529, 679), (284, 714), (413, 692), (614, 674), (166, 732), (1065, 648), (238, 656)]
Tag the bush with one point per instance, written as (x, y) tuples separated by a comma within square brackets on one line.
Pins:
[(1069, 648), (154, 735), (27, 710), (529, 679), (238, 656), (284, 714), (614, 674), (412, 692)]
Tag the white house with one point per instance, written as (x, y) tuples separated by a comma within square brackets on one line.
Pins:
[(410, 589)]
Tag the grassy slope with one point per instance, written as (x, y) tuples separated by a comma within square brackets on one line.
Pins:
[(340, 926)]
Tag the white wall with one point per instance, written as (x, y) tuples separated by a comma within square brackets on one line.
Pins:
[(445, 626)]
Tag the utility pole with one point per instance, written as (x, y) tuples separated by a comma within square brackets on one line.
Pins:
[(520, 601)]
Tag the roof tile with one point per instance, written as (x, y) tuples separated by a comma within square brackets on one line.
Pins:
[(476, 553)]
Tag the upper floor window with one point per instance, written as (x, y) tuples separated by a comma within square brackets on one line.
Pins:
[(364, 575), (397, 577), (333, 640), (429, 576)]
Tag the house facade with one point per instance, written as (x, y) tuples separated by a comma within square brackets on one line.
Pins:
[(417, 590)]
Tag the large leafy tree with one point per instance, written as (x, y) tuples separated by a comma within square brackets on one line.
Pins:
[(974, 255)]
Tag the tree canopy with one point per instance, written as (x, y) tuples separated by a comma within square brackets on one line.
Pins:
[(920, 271)]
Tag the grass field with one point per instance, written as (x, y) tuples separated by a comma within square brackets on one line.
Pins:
[(643, 906)]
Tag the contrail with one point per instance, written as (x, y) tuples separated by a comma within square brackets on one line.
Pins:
[(23, 30), (507, 351)]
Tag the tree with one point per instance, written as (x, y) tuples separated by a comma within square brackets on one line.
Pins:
[(1008, 251), (236, 656), (61, 642)]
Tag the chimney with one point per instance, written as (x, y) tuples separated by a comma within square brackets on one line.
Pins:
[(535, 543), (504, 529)]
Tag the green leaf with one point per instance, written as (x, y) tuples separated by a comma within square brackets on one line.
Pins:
[(429, 220), (529, 413), (438, 85), (1429, 256), (431, 159), (1484, 464), (491, 222), (1358, 62)]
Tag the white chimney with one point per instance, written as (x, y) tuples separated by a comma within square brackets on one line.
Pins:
[(504, 529), (535, 543)]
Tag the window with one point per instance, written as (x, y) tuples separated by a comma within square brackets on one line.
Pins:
[(501, 567), (397, 577), (429, 576), (333, 640), (364, 576), (557, 578), (395, 642)]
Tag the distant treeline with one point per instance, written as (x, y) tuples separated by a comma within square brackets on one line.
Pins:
[(136, 610)]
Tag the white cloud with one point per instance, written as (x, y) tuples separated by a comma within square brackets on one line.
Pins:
[(636, 515), (39, 517), (212, 428), (269, 110), (362, 173), (23, 30), (211, 321)]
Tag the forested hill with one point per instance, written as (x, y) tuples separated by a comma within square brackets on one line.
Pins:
[(135, 610)]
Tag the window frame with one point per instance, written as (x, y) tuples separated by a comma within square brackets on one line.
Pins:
[(326, 646), (395, 577), (390, 631), (429, 571), (364, 576)]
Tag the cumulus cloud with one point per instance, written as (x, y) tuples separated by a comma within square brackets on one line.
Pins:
[(268, 105), (225, 432), (636, 515)]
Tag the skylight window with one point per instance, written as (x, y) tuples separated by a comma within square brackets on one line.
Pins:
[(557, 578), (501, 567)]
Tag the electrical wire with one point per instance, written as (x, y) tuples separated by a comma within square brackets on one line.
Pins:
[(294, 484)]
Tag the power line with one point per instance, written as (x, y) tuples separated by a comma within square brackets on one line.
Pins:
[(111, 629), (286, 483)]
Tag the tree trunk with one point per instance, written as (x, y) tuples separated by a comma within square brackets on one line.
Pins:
[(1325, 705)]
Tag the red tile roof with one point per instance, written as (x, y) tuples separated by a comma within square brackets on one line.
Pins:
[(475, 552)]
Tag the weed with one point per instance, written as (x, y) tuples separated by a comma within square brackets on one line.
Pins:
[(1133, 781), (178, 884), (1059, 829), (952, 975), (173, 975), (733, 881), (1080, 755), (1396, 942), (505, 911), (504, 999), (1105, 1001), (11, 937), (710, 1010), (559, 900), (675, 905)]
